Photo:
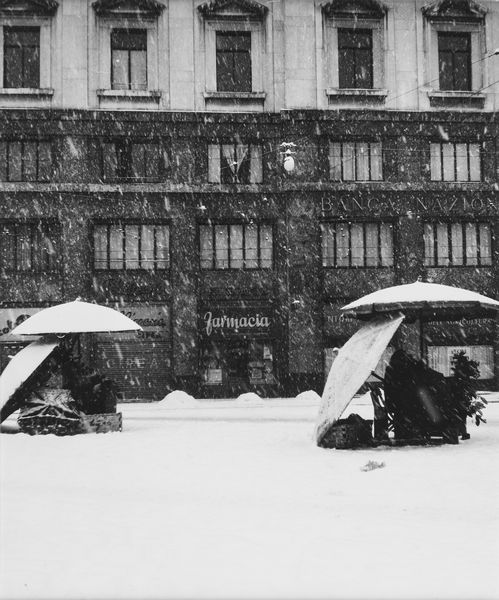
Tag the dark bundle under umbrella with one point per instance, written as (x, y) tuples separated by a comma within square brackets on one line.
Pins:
[(50, 410)]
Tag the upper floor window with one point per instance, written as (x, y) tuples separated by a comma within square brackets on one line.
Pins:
[(358, 244), (454, 60), (29, 247), (355, 58), (129, 59), (355, 161), (236, 246), (132, 160), (25, 160), (233, 61), (21, 53), (457, 244), (235, 163), (131, 246), (455, 162)]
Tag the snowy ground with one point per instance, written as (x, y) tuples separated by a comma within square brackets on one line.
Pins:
[(232, 499)]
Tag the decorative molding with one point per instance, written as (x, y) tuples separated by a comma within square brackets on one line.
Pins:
[(128, 8), (367, 9), (233, 9), (460, 10), (13, 8)]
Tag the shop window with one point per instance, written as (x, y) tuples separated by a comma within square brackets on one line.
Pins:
[(233, 61), (455, 162), (458, 244), (29, 247), (25, 160), (440, 359), (129, 59), (132, 160), (454, 61), (131, 246), (357, 244), (235, 163), (21, 57), (236, 246), (355, 161), (355, 58)]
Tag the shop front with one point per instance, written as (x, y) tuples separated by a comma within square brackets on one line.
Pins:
[(139, 362), (238, 349)]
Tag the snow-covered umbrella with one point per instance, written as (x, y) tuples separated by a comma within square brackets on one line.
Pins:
[(425, 302), (351, 367), (76, 317)]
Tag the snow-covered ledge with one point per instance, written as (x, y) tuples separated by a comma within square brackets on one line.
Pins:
[(33, 92)]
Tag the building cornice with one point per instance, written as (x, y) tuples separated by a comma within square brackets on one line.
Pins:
[(23, 8)]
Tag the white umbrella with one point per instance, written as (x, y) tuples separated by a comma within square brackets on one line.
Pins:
[(424, 301), (352, 366), (76, 317), (20, 368)]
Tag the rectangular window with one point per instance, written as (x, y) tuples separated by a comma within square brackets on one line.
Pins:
[(357, 244), (21, 55), (457, 244), (440, 359), (454, 61), (131, 246), (455, 162), (235, 163), (233, 60), (236, 246), (25, 160), (129, 59), (355, 161), (29, 247), (133, 161), (355, 58)]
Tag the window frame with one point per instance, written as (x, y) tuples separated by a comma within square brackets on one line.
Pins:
[(353, 55), (432, 261), (123, 224), (236, 56), (130, 85), (371, 156), (39, 261), (441, 35), (244, 225), (212, 161), (443, 156), (331, 241), (124, 159), (24, 140)]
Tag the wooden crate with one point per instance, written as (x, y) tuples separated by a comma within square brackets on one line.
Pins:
[(102, 423)]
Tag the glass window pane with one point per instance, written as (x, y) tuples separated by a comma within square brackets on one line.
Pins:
[(152, 161), (335, 161), (462, 162), (44, 161), (471, 244), (7, 246), (429, 245), (475, 168), (357, 244), (13, 67), (147, 247), (31, 67), (442, 245), (15, 161), (348, 161), (256, 166), (236, 246), (376, 162), (119, 66), (448, 162), (214, 163), (362, 152), (109, 161), (3, 161), (162, 247), (457, 245), (100, 247), (131, 247), (116, 247), (327, 245), (485, 244), (206, 246), (138, 68), (266, 246), (342, 245), (138, 161), (436, 162), (24, 245), (29, 157), (386, 231), (221, 247), (372, 245), (251, 246)]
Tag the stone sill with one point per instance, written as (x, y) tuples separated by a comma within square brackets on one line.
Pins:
[(374, 94), (138, 95), (235, 95), (30, 92), (456, 98)]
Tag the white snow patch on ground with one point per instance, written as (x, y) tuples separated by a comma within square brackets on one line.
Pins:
[(234, 500), (176, 399)]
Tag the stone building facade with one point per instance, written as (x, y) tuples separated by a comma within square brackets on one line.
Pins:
[(145, 153)]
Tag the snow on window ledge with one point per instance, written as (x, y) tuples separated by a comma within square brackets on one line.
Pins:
[(235, 95), (130, 94), (369, 92), (34, 92), (456, 98)]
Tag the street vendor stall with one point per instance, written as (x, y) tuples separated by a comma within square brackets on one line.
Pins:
[(415, 402)]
